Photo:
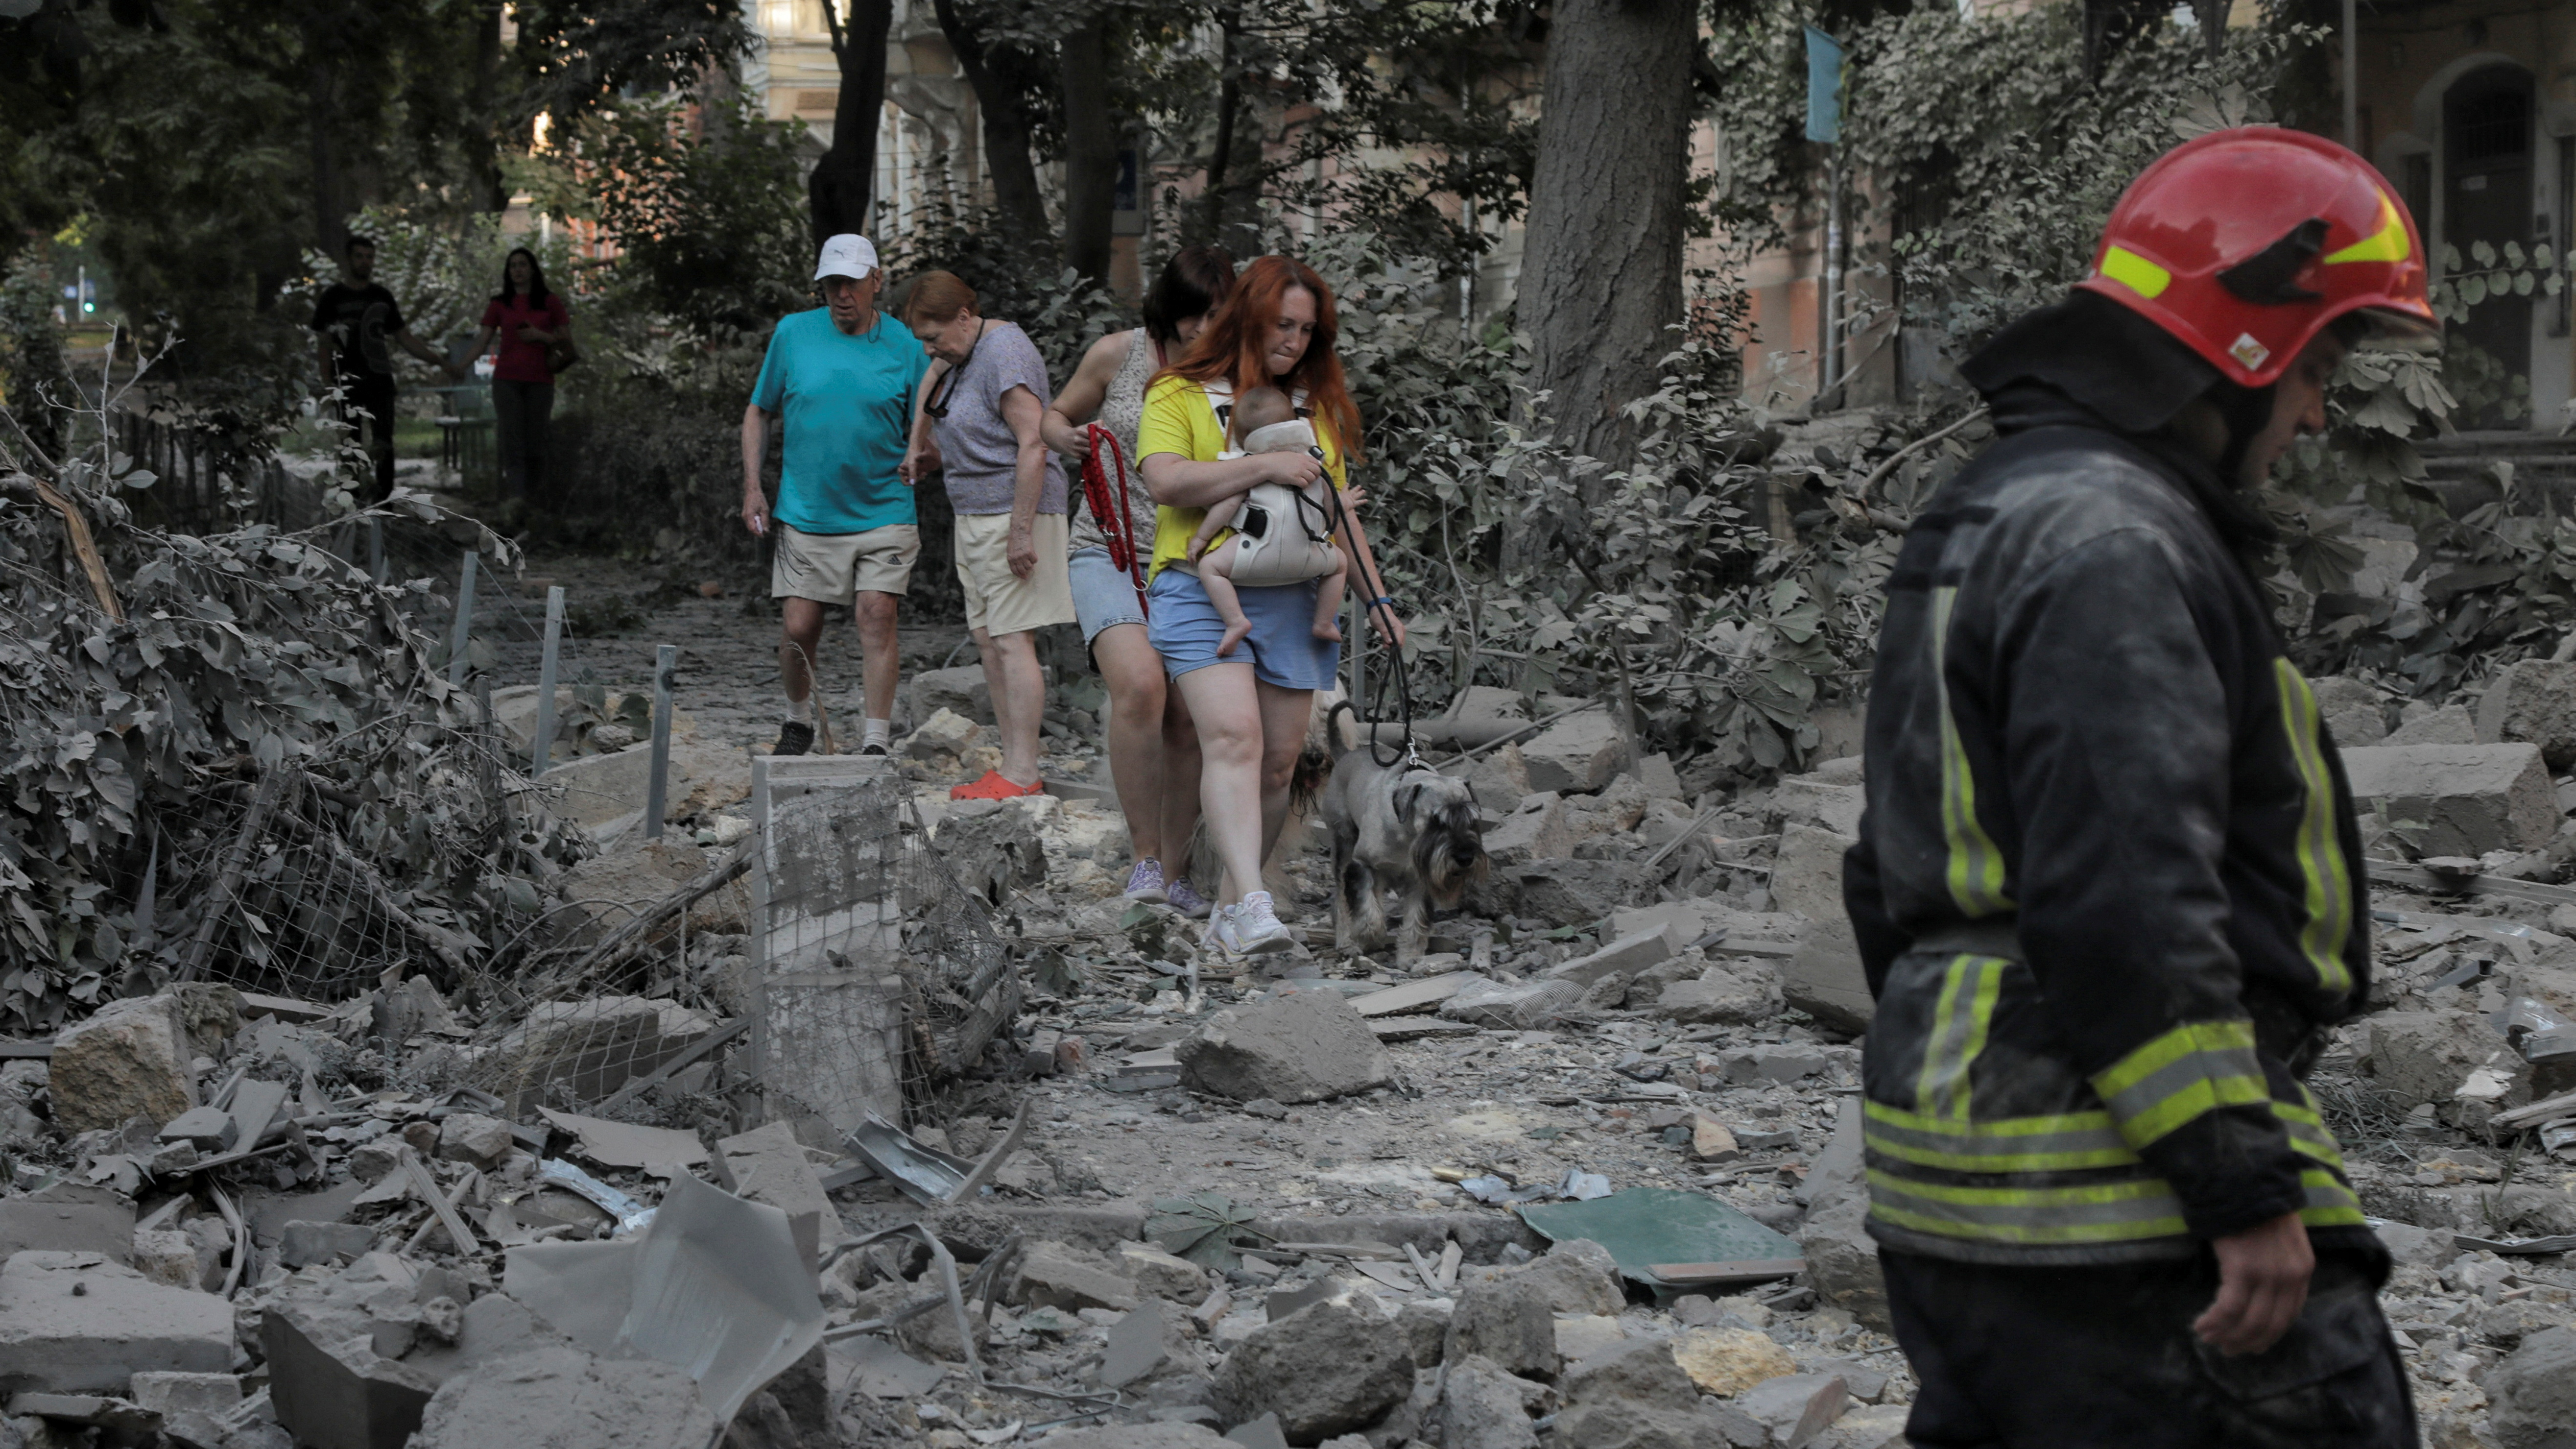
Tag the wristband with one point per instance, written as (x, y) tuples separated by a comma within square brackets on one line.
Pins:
[(1386, 599)]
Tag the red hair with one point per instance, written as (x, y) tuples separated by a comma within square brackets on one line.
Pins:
[(1232, 346)]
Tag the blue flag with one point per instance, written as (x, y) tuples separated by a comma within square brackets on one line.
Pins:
[(1824, 87)]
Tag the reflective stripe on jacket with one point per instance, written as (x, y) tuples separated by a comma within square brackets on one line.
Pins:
[(2108, 887)]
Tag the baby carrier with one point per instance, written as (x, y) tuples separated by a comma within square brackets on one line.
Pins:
[(1286, 534)]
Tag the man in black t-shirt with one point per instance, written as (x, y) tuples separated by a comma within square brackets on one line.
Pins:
[(360, 323)]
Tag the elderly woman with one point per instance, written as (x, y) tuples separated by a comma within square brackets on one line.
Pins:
[(982, 401), (1153, 751), (1250, 705)]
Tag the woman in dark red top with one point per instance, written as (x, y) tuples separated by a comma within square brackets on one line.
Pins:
[(528, 319)]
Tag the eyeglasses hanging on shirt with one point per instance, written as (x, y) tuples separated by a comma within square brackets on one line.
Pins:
[(936, 405)]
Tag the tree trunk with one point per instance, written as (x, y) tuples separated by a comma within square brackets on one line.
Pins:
[(1229, 100), (1090, 152), (1601, 278), (322, 119), (844, 182), (1006, 131), (483, 158)]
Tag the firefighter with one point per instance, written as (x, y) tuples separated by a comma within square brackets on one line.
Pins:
[(2108, 888)]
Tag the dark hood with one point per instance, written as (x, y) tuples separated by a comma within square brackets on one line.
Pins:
[(2089, 362)]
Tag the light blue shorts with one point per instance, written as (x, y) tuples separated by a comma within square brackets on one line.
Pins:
[(1102, 596), (1282, 648)]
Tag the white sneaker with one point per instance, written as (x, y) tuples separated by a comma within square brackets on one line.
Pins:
[(1251, 928)]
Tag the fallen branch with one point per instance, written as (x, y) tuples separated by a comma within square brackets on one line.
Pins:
[(1861, 494), (620, 945), (76, 528), (2537, 1112)]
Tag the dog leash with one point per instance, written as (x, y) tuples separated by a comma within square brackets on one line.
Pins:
[(1117, 530), (1411, 754)]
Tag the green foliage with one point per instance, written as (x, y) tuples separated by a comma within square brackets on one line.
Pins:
[(1671, 592), (33, 367), (576, 55), (709, 220), (2006, 160), (1015, 281), (256, 648)]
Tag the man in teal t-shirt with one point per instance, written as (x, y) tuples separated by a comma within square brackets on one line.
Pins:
[(842, 378)]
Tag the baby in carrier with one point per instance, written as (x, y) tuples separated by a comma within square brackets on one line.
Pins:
[(1280, 537)]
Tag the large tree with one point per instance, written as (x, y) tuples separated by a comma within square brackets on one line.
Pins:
[(843, 185), (994, 72), (1601, 278), (1090, 148)]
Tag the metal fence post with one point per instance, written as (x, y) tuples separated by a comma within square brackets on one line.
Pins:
[(376, 549), (543, 750), (665, 660), (464, 621)]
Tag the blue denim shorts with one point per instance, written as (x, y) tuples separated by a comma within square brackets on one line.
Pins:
[(1102, 596), (1282, 648)]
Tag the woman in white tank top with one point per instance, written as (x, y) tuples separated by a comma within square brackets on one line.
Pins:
[(1153, 749)]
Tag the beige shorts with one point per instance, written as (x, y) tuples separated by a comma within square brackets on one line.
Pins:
[(832, 568), (998, 601)]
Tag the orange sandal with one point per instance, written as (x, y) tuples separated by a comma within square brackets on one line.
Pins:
[(994, 786)]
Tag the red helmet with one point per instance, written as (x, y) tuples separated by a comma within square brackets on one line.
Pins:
[(2245, 243)]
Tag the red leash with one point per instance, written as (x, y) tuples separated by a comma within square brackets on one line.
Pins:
[(1118, 528)]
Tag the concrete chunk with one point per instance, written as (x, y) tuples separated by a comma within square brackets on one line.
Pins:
[(563, 1398), (768, 1165), (1538, 828), (68, 1218), (2534, 1392), (1329, 1368), (2466, 799), (1739, 993), (1052, 1275), (1521, 1006), (1579, 752), (171, 1394), (304, 1244), (962, 690), (1300, 1048), (1726, 1361), (1487, 1407), (209, 1129), (2429, 1056), (54, 1339), (130, 1059), (1623, 957), (1796, 1407), (471, 1137), (1505, 1320), (2533, 702)]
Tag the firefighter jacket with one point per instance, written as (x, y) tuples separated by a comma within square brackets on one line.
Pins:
[(2108, 888)]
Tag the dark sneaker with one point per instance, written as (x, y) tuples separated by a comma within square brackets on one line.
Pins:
[(873, 748), (794, 738)]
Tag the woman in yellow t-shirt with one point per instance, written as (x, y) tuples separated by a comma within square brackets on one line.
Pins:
[(1276, 329)]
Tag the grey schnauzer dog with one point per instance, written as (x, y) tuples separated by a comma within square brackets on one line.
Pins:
[(1403, 828)]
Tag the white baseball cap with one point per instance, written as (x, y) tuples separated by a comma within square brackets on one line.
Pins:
[(847, 255)]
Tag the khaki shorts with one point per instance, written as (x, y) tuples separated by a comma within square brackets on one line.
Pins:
[(998, 601), (833, 568)]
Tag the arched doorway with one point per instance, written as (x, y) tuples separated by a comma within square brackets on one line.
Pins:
[(2487, 185)]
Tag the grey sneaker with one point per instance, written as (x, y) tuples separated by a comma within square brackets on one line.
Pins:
[(1186, 899), (1145, 883), (1251, 928)]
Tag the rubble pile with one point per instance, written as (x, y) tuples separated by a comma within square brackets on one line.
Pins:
[(1586, 1172)]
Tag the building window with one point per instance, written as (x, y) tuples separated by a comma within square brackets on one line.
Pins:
[(2493, 127)]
